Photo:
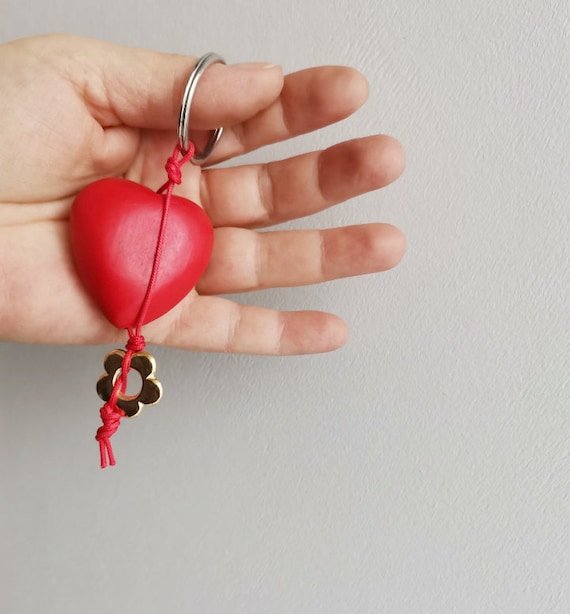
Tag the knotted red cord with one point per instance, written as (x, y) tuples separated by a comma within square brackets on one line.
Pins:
[(111, 414)]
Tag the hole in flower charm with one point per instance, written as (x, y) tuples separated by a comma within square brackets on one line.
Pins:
[(150, 392)]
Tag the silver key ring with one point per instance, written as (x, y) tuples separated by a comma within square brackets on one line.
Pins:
[(184, 116)]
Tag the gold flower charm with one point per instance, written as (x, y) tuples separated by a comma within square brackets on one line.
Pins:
[(151, 389)]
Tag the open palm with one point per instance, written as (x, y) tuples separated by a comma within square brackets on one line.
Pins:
[(75, 110)]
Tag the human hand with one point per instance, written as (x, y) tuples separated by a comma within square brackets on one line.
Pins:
[(76, 110)]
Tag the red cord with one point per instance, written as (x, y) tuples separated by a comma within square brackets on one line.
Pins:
[(111, 414)]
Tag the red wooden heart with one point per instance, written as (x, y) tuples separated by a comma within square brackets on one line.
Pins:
[(114, 231)]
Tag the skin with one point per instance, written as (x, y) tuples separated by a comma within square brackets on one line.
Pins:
[(76, 110)]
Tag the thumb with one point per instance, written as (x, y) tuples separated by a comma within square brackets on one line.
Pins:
[(143, 88)]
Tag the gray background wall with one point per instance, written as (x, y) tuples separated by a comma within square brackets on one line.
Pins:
[(424, 468)]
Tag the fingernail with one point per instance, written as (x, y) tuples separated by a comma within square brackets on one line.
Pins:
[(255, 66)]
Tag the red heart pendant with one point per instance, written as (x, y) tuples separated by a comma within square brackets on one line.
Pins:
[(114, 230)]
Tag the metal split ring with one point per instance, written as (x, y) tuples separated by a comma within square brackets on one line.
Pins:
[(184, 117)]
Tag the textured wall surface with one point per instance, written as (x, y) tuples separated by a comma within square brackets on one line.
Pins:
[(423, 468)]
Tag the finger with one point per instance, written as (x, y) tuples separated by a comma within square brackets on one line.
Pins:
[(142, 88), (310, 99), (214, 324), (43, 302), (245, 260), (264, 194)]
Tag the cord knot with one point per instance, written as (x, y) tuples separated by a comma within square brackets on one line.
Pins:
[(111, 419), (136, 343), (172, 167)]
